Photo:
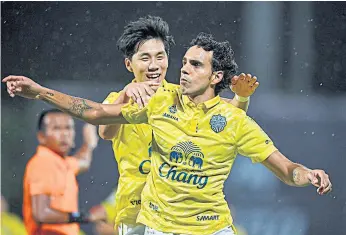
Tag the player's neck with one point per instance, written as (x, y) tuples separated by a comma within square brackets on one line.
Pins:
[(207, 95)]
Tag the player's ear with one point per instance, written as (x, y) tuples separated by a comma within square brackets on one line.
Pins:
[(41, 138), (216, 77), (128, 64)]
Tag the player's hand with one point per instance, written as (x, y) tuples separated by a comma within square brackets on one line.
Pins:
[(320, 180), (103, 228), (90, 136), (244, 85), (22, 86), (141, 92), (97, 213)]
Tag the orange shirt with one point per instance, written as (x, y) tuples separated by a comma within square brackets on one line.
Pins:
[(50, 174)]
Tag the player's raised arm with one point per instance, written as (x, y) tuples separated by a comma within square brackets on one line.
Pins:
[(89, 111), (243, 87)]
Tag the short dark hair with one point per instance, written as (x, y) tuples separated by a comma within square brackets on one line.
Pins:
[(223, 58), (41, 126), (145, 28)]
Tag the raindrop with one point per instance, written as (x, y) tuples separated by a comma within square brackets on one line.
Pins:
[(321, 84), (312, 133), (333, 134), (14, 175), (301, 91), (92, 182), (86, 202), (295, 53)]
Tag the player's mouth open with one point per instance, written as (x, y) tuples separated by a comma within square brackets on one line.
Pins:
[(153, 76)]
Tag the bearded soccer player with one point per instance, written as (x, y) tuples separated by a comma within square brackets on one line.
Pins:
[(196, 136)]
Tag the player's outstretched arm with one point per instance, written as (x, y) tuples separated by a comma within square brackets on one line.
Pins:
[(89, 111), (296, 174), (243, 86)]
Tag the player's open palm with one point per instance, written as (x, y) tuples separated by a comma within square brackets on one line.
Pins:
[(141, 92), (22, 86), (90, 135), (321, 181), (244, 85)]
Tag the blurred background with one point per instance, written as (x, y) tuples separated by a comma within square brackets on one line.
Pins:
[(296, 49)]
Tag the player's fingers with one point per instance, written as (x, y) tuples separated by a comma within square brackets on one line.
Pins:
[(248, 77), (12, 78), (149, 91), (242, 76), (10, 93), (328, 189), (234, 80), (254, 87), (253, 81)]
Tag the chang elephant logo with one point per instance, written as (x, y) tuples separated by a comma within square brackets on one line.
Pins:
[(218, 123), (187, 153)]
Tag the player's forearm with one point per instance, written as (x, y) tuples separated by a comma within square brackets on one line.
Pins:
[(108, 132), (242, 105), (300, 176), (89, 111)]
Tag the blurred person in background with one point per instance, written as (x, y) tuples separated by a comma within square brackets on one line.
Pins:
[(11, 224), (145, 45), (50, 204)]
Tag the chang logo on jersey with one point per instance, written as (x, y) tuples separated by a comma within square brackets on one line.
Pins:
[(144, 167), (185, 153), (218, 123)]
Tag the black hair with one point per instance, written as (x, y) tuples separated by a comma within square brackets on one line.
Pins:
[(41, 126), (223, 58), (145, 28)]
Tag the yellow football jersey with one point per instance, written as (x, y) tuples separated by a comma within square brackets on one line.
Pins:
[(131, 147), (193, 150)]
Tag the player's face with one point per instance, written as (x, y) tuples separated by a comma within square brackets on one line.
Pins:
[(150, 62), (59, 133), (196, 73)]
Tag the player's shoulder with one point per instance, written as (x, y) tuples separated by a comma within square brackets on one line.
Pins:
[(111, 97)]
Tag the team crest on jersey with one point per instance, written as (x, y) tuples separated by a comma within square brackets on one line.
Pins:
[(218, 123), (173, 109)]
